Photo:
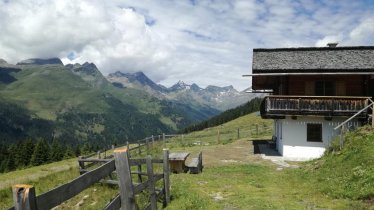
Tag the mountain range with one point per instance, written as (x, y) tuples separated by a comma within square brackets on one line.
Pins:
[(220, 98), (75, 103)]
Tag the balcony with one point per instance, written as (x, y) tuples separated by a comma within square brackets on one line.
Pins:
[(280, 106)]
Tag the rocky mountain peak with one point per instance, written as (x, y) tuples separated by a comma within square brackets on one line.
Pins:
[(137, 76), (128, 80), (220, 98), (212, 88), (116, 74), (195, 87), (2, 61), (180, 85), (40, 61), (142, 78), (85, 68)]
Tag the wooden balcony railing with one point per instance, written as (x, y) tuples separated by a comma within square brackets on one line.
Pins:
[(313, 105)]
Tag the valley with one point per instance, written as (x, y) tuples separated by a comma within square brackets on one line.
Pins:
[(77, 104)]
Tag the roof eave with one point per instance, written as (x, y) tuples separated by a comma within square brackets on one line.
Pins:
[(307, 73)]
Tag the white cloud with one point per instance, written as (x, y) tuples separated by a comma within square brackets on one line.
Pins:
[(206, 42), (363, 33), (112, 37)]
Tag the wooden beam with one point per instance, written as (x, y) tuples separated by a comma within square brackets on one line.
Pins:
[(94, 160), (24, 197), (147, 145), (66, 191), (166, 170), (163, 140), (115, 204), (125, 181), (151, 185), (310, 73), (372, 116)]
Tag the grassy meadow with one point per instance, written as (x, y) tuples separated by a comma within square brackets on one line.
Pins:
[(235, 178)]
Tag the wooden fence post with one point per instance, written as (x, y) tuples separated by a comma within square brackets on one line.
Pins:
[(151, 183), (140, 179), (342, 130), (372, 116), (24, 197), (147, 145), (166, 170), (238, 134), (124, 177), (218, 137), (139, 149), (163, 140), (98, 154), (128, 146), (81, 165)]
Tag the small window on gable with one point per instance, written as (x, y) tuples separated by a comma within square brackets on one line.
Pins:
[(314, 132)]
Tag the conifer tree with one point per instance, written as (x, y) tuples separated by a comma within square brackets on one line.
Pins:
[(57, 151), (69, 153), (86, 148), (10, 162), (41, 153), (3, 157), (29, 147), (23, 153), (77, 151)]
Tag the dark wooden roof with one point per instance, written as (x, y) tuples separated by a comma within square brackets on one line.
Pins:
[(314, 59)]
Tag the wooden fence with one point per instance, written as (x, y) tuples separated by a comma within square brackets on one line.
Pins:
[(219, 135), (143, 146), (87, 162), (25, 199)]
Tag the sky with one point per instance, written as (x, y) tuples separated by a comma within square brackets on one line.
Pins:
[(207, 42)]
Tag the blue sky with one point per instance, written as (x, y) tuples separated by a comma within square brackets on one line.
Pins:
[(208, 42)]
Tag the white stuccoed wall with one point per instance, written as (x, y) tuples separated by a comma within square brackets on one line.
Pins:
[(292, 143)]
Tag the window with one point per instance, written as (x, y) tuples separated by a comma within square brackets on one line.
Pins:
[(325, 88), (314, 132)]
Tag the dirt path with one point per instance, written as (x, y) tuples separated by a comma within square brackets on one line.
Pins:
[(240, 151)]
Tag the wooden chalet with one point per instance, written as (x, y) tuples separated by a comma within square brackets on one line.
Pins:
[(313, 90)]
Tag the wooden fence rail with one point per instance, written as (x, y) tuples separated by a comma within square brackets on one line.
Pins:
[(24, 197), (144, 145)]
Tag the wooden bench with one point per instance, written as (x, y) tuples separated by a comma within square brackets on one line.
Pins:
[(177, 162), (196, 164)]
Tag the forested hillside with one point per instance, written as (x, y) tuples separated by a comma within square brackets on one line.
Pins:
[(231, 114), (75, 104)]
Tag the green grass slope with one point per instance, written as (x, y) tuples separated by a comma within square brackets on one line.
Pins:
[(248, 125), (77, 109), (50, 89), (349, 172), (342, 179), (228, 115)]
